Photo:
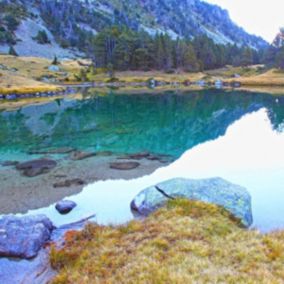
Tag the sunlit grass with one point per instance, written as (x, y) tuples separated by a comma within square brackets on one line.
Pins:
[(186, 242)]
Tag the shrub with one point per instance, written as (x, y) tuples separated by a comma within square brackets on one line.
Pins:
[(42, 37)]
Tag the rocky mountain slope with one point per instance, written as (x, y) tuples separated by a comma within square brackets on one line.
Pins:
[(48, 27)]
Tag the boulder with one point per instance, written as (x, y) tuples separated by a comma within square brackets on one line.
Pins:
[(36, 167), (65, 206), (124, 166), (23, 237), (234, 198)]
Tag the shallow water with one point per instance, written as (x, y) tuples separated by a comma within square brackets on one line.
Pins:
[(235, 135)]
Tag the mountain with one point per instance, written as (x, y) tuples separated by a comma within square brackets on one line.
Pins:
[(48, 27)]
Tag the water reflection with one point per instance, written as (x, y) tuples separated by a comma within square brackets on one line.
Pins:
[(166, 123), (250, 154)]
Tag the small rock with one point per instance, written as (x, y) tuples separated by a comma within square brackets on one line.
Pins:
[(65, 206), (80, 155), (124, 165), (53, 68), (36, 167), (23, 237), (69, 182)]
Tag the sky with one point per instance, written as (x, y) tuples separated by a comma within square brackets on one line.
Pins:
[(259, 17)]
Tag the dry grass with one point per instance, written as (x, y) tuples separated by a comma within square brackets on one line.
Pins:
[(187, 242), (140, 76), (270, 78), (12, 83), (230, 71), (24, 74)]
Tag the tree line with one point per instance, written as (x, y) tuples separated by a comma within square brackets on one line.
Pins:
[(126, 49)]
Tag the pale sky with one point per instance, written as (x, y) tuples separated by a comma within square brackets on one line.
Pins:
[(260, 17)]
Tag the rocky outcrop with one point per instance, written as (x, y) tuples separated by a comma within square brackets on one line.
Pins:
[(36, 167), (23, 237), (65, 206), (232, 197)]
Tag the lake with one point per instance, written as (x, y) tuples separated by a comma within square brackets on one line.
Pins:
[(236, 135)]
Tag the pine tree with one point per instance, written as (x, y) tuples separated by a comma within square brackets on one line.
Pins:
[(55, 61), (190, 62), (12, 51), (246, 57), (279, 60)]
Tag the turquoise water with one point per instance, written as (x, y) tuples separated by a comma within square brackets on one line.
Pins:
[(167, 123), (235, 135)]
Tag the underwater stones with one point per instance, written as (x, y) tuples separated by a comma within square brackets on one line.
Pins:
[(36, 167), (80, 155), (62, 150), (105, 153), (69, 182), (9, 163), (149, 156), (234, 198), (23, 237), (65, 206), (136, 156), (124, 165)]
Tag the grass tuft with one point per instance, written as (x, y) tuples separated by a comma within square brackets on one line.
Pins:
[(185, 242)]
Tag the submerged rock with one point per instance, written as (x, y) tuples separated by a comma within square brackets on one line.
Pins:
[(36, 167), (62, 150), (149, 156), (69, 182), (80, 155), (124, 165), (10, 163), (65, 206), (234, 198), (23, 237), (139, 156)]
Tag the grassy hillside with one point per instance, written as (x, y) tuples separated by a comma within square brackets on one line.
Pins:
[(26, 74), (32, 74), (187, 242)]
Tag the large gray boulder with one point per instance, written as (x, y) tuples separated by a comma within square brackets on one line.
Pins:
[(23, 237), (234, 198)]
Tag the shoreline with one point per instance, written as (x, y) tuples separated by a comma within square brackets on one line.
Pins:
[(22, 194)]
